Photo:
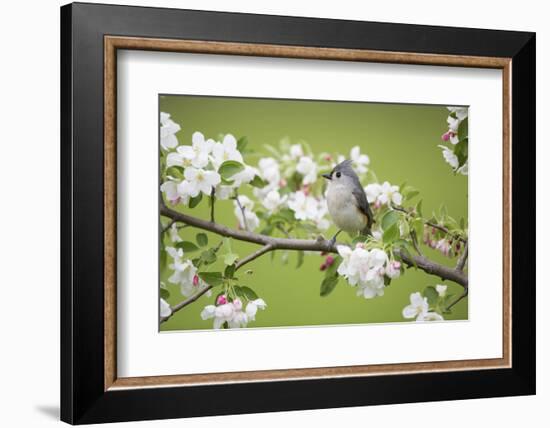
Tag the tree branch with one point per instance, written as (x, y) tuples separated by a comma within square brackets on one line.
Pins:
[(254, 255), (212, 201), (433, 268), (242, 210)]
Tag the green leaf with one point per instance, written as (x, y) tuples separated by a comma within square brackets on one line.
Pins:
[(248, 293), (411, 195), (229, 271), (209, 256), (391, 234), (164, 293), (241, 144), (418, 208), (229, 168), (212, 278), (202, 239), (328, 285), (193, 202), (418, 227), (230, 258), (175, 171), (258, 182), (187, 247), (300, 261), (389, 219), (359, 239), (431, 294)]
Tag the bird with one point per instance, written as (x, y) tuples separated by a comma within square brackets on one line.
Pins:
[(347, 202)]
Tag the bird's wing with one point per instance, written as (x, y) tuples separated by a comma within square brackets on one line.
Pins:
[(362, 203)]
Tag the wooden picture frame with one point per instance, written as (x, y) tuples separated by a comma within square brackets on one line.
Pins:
[(91, 390)]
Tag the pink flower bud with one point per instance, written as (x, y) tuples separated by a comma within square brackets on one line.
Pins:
[(329, 261), (328, 158), (282, 182), (196, 280), (323, 267), (306, 189), (445, 136), (359, 245), (222, 300)]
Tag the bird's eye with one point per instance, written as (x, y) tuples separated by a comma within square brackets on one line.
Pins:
[(338, 174)]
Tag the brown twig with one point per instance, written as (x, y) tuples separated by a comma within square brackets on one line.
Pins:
[(462, 296)]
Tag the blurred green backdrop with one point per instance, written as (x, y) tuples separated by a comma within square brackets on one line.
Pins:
[(401, 141)]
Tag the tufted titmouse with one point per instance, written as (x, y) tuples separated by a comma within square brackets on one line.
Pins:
[(347, 202)]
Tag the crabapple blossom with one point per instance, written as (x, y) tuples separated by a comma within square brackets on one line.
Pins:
[(443, 246), (307, 207), (173, 233), (273, 201), (269, 170), (360, 161), (441, 289), (393, 269), (389, 193), (460, 112), (197, 181), (449, 156), (363, 268), (196, 155), (173, 195), (168, 130), (418, 307), (253, 306), (226, 150), (308, 169), (184, 271)]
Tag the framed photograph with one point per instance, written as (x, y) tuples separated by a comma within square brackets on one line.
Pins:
[(291, 213)]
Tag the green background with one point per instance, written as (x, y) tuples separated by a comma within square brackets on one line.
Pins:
[(401, 141)]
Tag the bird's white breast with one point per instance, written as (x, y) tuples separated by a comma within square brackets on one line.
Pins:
[(343, 208)]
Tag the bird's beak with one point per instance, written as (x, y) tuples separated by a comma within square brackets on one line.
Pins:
[(327, 176)]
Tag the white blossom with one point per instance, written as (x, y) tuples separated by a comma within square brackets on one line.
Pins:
[(226, 150), (307, 207), (196, 155), (173, 195), (269, 170), (296, 151), (245, 176), (308, 169), (173, 233), (418, 308), (232, 313), (441, 289), (389, 193), (168, 130), (165, 309), (184, 272), (360, 161), (449, 156), (198, 180), (393, 269), (364, 269), (372, 191), (273, 201), (460, 112), (253, 307)]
